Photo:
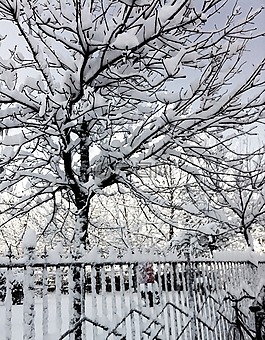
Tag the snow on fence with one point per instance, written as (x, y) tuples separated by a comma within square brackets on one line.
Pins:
[(136, 296)]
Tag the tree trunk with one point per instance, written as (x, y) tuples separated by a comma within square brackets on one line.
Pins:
[(80, 240), (77, 302), (82, 202), (248, 237)]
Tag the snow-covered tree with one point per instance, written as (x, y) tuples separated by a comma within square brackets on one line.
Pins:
[(120, 220), (92, 93), (234, 199)]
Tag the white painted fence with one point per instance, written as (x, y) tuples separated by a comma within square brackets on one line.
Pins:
[(186, 301)]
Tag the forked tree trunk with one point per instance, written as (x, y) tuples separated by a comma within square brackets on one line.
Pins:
[(248, 237)]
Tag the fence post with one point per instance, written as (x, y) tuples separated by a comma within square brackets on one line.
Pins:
[(29, 244), (190, 284)]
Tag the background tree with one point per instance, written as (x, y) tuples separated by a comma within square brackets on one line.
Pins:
[(233, 199), (119, 220), (93, 92)]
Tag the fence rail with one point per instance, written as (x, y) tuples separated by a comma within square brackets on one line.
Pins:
[(138, 296)]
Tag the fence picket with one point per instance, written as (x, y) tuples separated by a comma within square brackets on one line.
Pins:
[(70, 298), (58, 294), (139, 298), (131, 302), (123, 306), (103, 291), (29, 295), (83, 299), (45, 306), (113, 295), (95, 290)]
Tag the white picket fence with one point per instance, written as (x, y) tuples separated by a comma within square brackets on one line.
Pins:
[(187, 299)]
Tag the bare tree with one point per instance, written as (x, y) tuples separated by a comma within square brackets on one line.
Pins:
[(93, 92)]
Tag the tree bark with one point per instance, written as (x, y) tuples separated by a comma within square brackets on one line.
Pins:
[(80, 241)]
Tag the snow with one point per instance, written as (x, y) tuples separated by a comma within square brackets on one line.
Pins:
[(9, 78), (93, 256), (43, 106), (67, 11), (87, 19), (13, 140), (237, 255), (54, 255), (209, 228), (99, 100), (175, 11), (191, 209), (203, 16), (191, 56), (164, 13), (173, 64), (126, 40), (29, 239)]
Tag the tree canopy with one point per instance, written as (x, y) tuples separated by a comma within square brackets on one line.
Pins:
[(94, 93)]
